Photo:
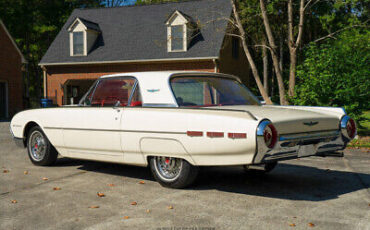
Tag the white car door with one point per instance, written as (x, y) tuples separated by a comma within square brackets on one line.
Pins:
[(92, 131)]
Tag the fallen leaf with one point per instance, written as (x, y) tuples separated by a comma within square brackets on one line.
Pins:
[(111, 185), (126, 217), (57, 188), (292, 225), (311, 225), (100, 194), (133, 203), (170, 207), (5, 171), (45, 178), (94, 206), (147, 211), (14, 201), (141, 182), (25, 172)]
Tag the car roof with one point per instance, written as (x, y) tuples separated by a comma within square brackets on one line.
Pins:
[(155, 87), (166, 74)]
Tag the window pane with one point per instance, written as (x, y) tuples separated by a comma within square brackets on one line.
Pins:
[(211, 91), (136, 100), (78, 43), (110, 91), (177, 37)]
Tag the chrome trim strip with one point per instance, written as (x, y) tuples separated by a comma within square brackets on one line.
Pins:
[(310, 136), (261, 127), (159, 105), (115, 130), (132, 92), (10, 129)]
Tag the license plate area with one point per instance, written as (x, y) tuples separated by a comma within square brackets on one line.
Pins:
[(307, 150)]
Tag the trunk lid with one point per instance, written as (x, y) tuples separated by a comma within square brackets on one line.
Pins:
[(290, 120)]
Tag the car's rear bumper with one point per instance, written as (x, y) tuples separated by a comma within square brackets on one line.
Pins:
[(301, 145)]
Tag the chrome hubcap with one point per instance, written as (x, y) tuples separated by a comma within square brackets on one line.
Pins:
[(37, 146), (169, 168)]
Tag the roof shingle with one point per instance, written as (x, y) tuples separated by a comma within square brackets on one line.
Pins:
[(139, 32)]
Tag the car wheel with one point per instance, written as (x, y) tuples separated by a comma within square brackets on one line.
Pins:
[(268, 167), (173, 172), (40, 150)]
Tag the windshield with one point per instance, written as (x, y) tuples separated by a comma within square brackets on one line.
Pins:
[(211, 91)]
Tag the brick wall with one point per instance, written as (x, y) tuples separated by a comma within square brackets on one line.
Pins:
[(58, 75), (236, 66), (11, 73)]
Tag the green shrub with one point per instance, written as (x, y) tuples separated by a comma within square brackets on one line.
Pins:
[(336, 74)]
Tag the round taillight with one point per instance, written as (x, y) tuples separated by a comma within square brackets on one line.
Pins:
[(268, 131), (348, 127), (351, 128)]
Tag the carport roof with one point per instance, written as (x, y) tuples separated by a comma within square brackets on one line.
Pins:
[(139, 33)]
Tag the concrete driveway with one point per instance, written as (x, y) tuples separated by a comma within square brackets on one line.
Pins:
[(329, 193)]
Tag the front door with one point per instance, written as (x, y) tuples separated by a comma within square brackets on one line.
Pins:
[(92, 131), (3, 102)]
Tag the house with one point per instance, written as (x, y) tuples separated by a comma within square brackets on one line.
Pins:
[(11, 75), (187, 35)]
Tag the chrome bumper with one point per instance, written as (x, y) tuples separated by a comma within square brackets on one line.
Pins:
[(300, 145), (19, 142)]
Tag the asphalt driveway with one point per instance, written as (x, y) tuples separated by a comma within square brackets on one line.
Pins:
[(310, 193)]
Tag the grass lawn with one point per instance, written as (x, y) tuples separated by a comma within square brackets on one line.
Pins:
[(363, 132)]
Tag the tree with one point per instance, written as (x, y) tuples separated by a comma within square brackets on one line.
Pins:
[(328, 19), (336, 73), (34, 25), (238, 24)]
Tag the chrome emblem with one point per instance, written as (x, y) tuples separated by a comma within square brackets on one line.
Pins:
[(152, 90), (311, 123)]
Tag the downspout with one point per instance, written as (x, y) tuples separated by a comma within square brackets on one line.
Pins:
[(45, 81), (216, 65)]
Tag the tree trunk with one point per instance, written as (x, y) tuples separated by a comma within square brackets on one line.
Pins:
[(275, 59), (265, 68), (249, 56), (281, 50), (292, 69), (293, 45)]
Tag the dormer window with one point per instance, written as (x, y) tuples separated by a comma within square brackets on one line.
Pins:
[(82, 36), (178, 42), (78, 43), (179, 31)]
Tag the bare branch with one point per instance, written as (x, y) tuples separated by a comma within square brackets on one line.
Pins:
[(309, 2), (266, 46), (290, 24), (300, 25), (233, 35), (331, 35)]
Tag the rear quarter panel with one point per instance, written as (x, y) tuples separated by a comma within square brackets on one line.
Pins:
[(162, 131)]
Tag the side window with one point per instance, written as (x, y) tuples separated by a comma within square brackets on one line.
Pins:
[(113, 91), (136, 100)]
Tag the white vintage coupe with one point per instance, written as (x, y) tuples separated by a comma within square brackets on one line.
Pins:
[(177, 121)]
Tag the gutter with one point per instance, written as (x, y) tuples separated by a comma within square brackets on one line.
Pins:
[(131, 61)]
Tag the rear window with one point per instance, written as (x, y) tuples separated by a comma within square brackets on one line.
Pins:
[(211, 91)]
